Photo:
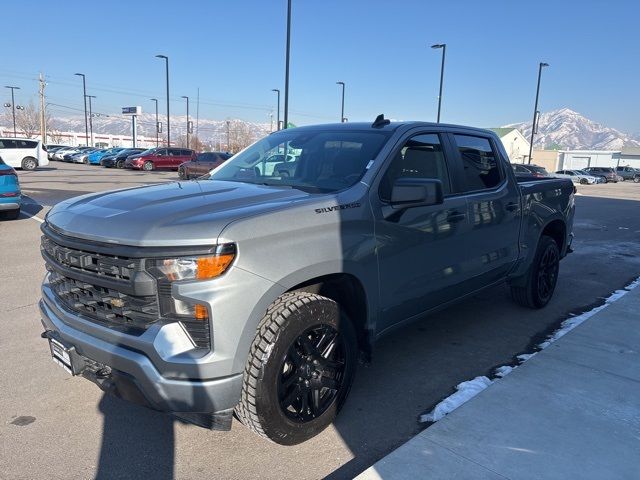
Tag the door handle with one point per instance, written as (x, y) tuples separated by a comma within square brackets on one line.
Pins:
[(511, 207), (454, 217)]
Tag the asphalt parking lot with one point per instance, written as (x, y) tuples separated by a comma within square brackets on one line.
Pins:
[(62, 427)]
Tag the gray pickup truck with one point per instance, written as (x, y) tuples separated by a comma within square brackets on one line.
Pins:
[(255, 292)]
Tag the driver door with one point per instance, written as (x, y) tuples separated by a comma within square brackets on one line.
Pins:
[(419, 248)]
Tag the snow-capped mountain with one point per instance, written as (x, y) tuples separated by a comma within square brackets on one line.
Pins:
[(567, 129), (209, 131)]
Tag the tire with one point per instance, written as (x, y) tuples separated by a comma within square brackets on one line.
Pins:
[(120, 164), (85, 161), (636, 179), (148, 166), (542, 277), (285, 364), (29, 163), (583, 181), (181, 174), (11, 214)]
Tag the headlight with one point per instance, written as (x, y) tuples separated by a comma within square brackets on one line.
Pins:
[(197, 268)]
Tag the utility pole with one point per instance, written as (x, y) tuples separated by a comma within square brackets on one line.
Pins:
[(90, 119), (286, 74), (43, 121), (342, 111), (166, 59), (443, 46), (157, 123), (187, 98), (13, 109), (228, 139), (198, 113), (278, 114), (84, 90), (535, 110)]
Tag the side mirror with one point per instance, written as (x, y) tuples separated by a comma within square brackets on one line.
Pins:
[(416, 192)]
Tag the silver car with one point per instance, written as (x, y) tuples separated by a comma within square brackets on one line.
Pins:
[(577, 176)]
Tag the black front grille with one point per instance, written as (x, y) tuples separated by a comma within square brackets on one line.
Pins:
[(117, 268), (114, 290), (104, 305)]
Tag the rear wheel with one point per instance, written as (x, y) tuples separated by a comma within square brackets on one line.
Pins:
[(636, 179), (182, 174), (541, 279), (120, 164), (300, 368), (147, 166), (29, 163), (583, 181)]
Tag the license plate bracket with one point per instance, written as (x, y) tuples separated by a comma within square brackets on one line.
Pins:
[(65, 356)]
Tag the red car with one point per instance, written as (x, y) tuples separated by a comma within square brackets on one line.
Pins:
[(159, 158), (202, 164)]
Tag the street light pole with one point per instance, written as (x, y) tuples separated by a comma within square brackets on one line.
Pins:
[(166, 59), (443, 46), (13, 109), (157, 137), (184, 96), (342, 111), (278, 114), (90, 119), (84, 93), (535, 109), (286, 74)]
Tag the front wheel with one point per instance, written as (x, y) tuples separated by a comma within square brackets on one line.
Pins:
[(583, 181), (147, 166), (300, 369), (541, 279), (636, 179), (120, 164), (182, 175)]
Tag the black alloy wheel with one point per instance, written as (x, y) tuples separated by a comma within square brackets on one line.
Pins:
[(548, 273), (312, 373)]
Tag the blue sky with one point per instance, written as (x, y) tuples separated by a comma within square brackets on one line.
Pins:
[(234, 52)]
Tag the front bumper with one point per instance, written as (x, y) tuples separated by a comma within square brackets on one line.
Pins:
[(134, 377)]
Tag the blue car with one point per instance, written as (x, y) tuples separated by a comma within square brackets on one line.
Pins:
[(10, 196), (95, 157)]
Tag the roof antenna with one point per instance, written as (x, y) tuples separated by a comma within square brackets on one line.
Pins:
[(380, 121)]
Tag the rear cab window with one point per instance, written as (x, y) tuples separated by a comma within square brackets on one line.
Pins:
[(480, 162)]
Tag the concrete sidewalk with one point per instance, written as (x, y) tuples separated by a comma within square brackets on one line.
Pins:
[(571, 411)]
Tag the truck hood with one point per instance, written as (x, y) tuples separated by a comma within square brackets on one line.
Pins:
[(170, 214)]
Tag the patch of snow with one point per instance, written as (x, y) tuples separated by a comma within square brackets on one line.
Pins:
[(464, 392), (503, 370)]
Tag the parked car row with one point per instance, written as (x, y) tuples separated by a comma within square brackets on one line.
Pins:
[(187, 162), (587, 176)]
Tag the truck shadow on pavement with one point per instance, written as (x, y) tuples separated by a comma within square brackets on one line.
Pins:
[(136, 442)]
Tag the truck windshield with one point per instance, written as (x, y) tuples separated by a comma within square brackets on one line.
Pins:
[(315, 161)]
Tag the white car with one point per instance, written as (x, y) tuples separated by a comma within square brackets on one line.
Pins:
[(577, 177), (63, 151), (24, 153)]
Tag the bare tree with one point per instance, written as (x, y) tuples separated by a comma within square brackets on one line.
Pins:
[(194, 143), (28, 120), (239, 135)]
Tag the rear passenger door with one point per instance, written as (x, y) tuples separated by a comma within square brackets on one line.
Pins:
[(493, 210), (9, 152)]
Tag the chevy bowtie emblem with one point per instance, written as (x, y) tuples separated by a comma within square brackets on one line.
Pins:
[(117, 302)]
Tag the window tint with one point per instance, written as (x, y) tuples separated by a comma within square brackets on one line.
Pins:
[(7, 144), (26, 144), (481, 168), (186, 153), (420, 157)]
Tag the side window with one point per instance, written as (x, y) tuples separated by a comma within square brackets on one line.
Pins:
[(481, 167), (8, 144), (420, 157)]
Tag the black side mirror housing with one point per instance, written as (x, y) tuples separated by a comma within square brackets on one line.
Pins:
[(416, 192)]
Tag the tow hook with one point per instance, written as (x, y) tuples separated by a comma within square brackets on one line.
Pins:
[(104, 372)]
